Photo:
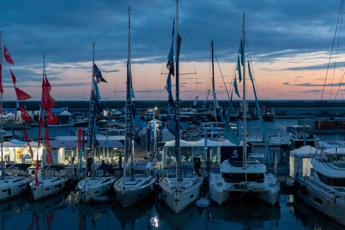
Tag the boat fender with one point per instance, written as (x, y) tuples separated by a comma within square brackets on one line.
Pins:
[(203, 202)]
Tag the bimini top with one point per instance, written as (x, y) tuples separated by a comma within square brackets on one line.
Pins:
[(201, 143), (305, 151), (17, 143), (330, 169), (226, 167)]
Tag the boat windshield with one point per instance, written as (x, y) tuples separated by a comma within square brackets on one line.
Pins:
[(336, 182), (239, 177)]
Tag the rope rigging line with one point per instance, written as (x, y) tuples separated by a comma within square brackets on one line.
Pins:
[(332, 48)]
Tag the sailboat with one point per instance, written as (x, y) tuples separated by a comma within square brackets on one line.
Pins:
[(138, 179), (94, 187), (182, 189), (53, 178), (250, 177)]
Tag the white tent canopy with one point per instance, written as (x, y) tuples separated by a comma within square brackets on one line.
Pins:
[(306, 151), (14, 143)]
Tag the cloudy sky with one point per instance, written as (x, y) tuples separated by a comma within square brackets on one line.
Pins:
[(289, 44)]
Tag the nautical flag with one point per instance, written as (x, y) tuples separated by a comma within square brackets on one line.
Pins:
[(236, 89), (98, 74), (51, 118), (250, 73), (24, 114), (8, 56), (26, 137), (95, 97), (132, 90), (239, 69), (170, 63), (21, 95), (168, 86), (14, 79), (1, 88), (48, 101), (49, 158)]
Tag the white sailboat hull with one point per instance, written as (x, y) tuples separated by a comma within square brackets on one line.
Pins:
[(179, 195), (221, 191), (128, 195), (323, 200), (95, 188), (48, 186), (13, 186)]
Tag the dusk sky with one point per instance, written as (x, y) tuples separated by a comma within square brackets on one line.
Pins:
[(289, 43)]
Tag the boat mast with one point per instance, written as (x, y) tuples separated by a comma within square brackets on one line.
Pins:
[(129, 109), (43, 115), (244, 99), (177, 111), (1, 116), (215, 106)]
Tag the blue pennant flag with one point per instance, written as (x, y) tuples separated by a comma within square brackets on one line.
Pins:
[(239, 69), (98, 74), (170, 63), (241, 51), (95, 96), (235, 87)]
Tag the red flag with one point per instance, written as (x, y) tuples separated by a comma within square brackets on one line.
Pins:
[(51, 118), (1, 88), (14, 79), (49, 158), (8, 56), (24, 114), (50, 102), (21, 95), (26, 137)]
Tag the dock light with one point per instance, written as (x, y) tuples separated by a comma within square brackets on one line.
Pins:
[(115, 148), (156, 108)]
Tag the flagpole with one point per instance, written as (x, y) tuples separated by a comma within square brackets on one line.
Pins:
[(1, 115), (213, 83), (128, 107), (177, 112), (243, 41), (93, 115)]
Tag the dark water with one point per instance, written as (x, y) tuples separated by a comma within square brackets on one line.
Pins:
[(62, 212)]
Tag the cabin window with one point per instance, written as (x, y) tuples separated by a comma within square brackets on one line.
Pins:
[(336, 182), (318, 200), (238, 177)]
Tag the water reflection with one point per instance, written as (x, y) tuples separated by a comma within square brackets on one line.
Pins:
[(64, 212)]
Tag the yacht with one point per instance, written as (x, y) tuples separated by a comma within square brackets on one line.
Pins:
[(180, 190), (96, 188), (15, 181), (324, 187), (138, 179), (179, 194), (251, 179), (131, 189), (238, 173), (301, 136), (53, 180)]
